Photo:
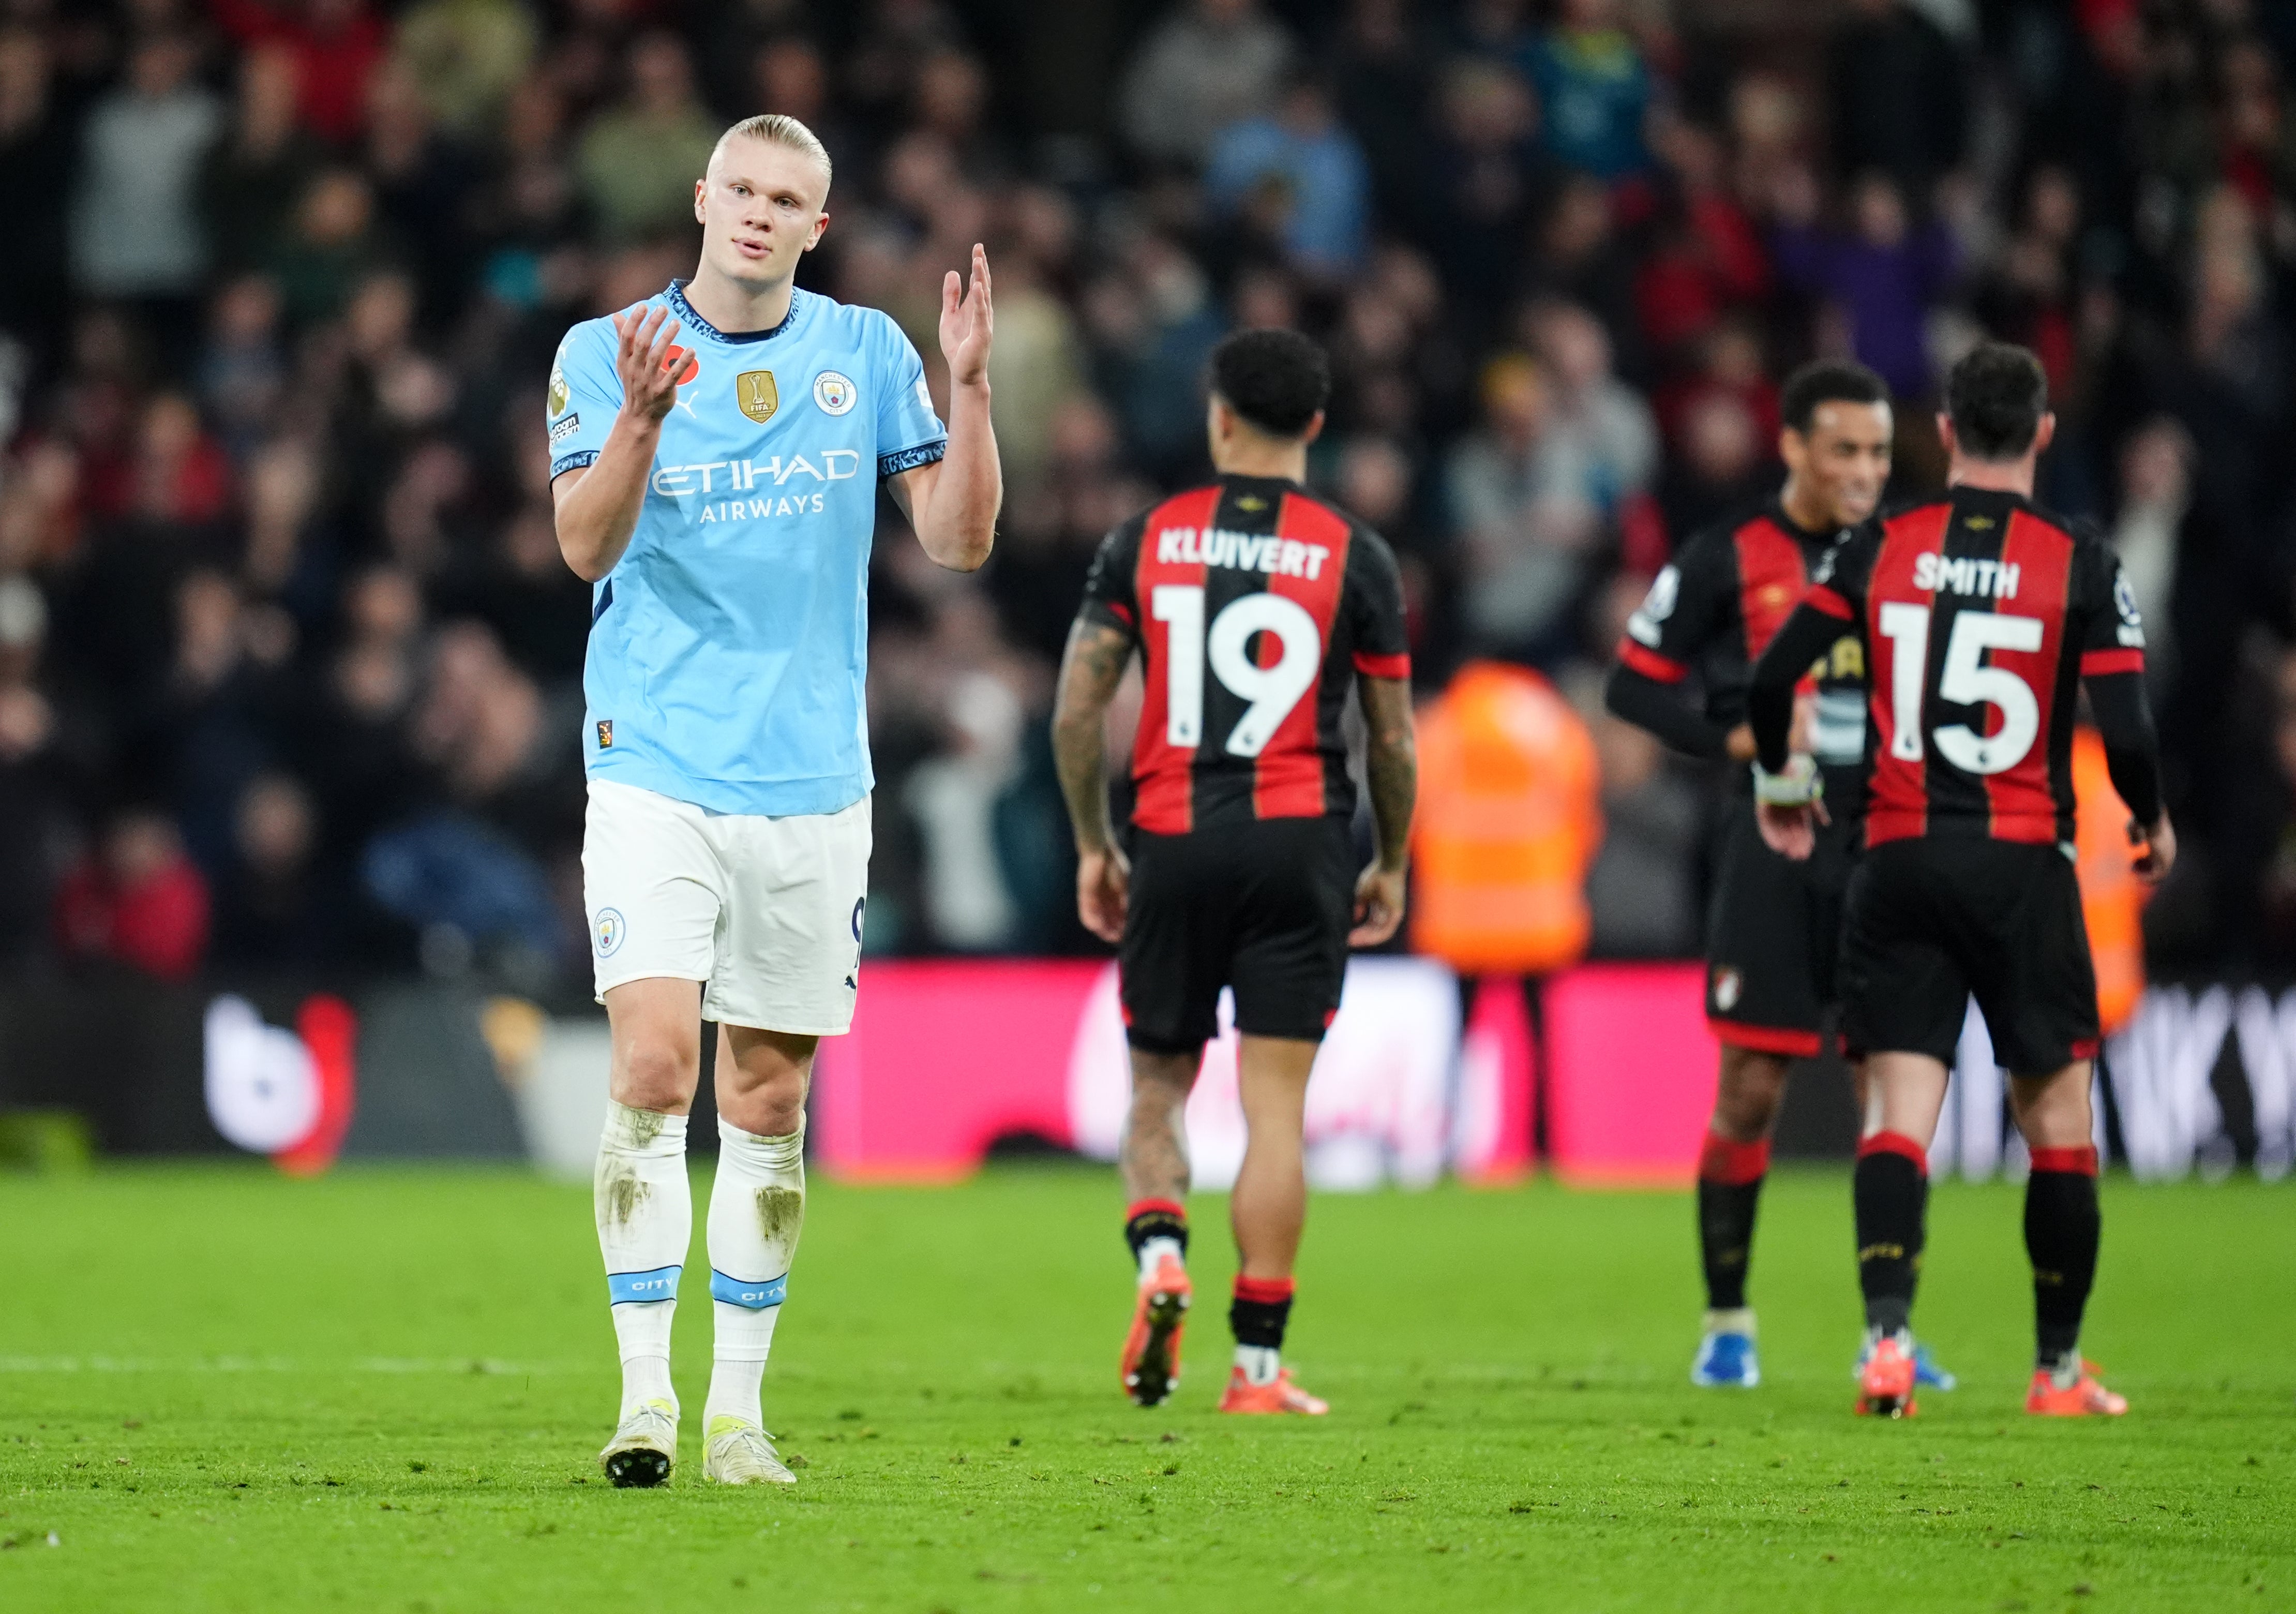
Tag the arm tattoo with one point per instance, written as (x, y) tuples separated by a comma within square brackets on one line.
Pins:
[(1391, 759), (1090, 670)]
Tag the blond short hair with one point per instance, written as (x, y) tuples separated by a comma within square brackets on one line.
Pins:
[(777, 129)]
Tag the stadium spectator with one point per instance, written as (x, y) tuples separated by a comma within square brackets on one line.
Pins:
[(953, 798), (1722, 461), (333, 241), (1208, 64), (1706, 257), (274, 911), (2155, 493), (1593, 91), (1037, 366), (1895, 88), (465, 56), (35, 779), (1381, 71), (253, 175), (242, 372), (1881, 277), (1522, 503), (650, 148), (38, 140), (1298, 167), (1602, 423), (138, 901), (136, 224), (1485, 180), (337, 44)]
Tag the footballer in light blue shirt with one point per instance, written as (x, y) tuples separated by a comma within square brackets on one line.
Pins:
[(716, 453)]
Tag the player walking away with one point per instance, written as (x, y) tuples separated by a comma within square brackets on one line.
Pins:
[(1254, 606), (716, 455), (1980, 615), (1774, 925)]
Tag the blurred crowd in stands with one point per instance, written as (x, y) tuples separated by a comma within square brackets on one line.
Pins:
[(290, 664)]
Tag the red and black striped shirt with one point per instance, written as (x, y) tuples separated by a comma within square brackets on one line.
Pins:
[(1981, 615), (1713, 610), (1254, 605)]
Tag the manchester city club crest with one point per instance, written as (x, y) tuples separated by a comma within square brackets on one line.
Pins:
[(755, 391), (607, 931), (836, 394)]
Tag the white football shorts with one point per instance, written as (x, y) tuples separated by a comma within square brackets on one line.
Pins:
[(765, 912)]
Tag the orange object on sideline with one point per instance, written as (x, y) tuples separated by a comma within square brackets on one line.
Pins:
[(2112, 898), (1509, 819)]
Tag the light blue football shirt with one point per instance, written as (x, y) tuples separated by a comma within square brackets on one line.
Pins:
[(729, 646)]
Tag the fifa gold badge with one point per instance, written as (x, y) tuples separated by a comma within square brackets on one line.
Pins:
[(605, 733), (755, 391)]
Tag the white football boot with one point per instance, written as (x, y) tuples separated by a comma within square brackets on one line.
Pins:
[(643, 1450), (737, 1452)]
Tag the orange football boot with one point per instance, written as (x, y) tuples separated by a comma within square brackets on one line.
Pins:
[(1885, 1388), (2081, 1398), (1151, 1368), (1280, 1396)]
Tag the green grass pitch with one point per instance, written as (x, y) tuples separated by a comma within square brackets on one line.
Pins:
[(223, 1390)]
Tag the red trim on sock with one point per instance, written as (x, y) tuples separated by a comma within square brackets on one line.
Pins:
[(1170, 1208), (1266, 1291), (2086, 1048), (1731, 1163), (1895, 1143), (2080, 1161)]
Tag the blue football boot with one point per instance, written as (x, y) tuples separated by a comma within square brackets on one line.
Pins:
[(1726, 1357)]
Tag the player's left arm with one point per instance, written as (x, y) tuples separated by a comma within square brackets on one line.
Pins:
[(1391, 768), (1379, 645), (1091, 668), (952, 503), (2112, 638)]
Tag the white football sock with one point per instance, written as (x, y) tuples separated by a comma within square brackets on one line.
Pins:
[(644, 1209), (1260, 1363), (1153, 1249), (756, 1209)]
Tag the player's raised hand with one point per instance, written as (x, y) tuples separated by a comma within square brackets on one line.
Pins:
[(1379, 906), (967, 321), (1103, 890), (649, 361)]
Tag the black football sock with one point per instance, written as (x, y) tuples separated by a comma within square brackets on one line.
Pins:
[(1890, 1187), (1257, 1315), (2061, 1230), (1146, 1219), (1729, 1187)]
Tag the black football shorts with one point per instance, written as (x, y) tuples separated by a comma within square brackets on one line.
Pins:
[(1934, 918), (1773, 936), (1263, 906)]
